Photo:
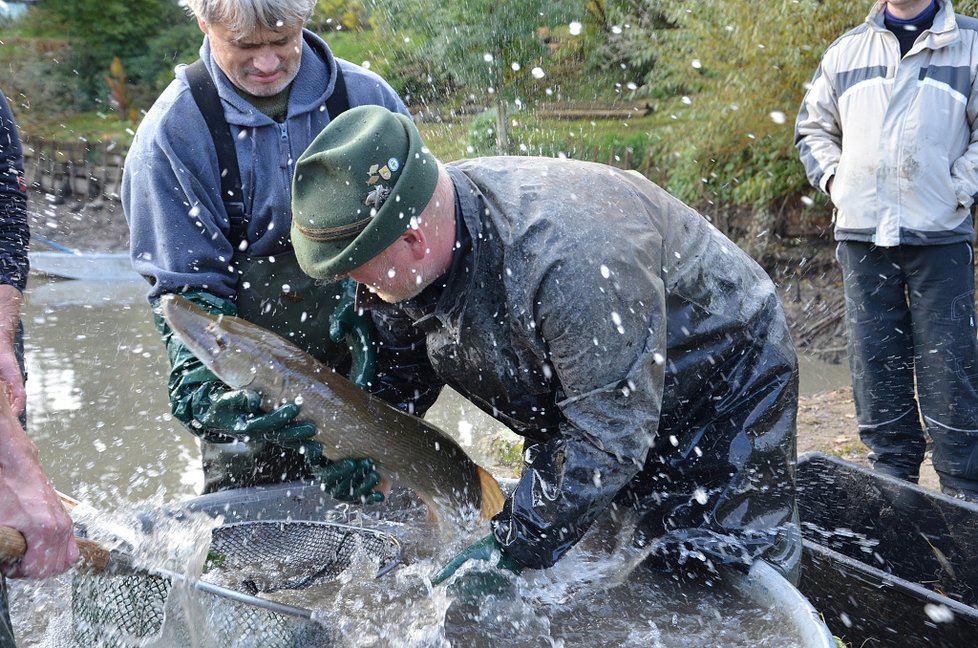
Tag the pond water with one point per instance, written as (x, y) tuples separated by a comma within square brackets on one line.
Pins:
[(98, 411)]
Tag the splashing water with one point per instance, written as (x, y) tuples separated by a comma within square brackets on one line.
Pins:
[(599, 592)]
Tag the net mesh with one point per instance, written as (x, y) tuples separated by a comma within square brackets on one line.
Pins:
[(249, 557)]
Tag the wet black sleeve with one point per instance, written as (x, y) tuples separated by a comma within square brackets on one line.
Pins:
[(405, 377), (14, 232)]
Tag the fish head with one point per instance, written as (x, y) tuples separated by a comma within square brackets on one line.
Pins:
[(212, 339)]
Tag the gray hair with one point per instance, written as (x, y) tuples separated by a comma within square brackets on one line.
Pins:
[(245, 16)]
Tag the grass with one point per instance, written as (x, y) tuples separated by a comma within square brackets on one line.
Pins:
[(447, 140), (94, 127), (536, 134)]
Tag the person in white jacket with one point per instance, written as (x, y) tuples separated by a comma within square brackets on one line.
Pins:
[(886, 129)]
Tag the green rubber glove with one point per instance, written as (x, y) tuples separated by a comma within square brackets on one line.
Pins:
[(356, 330), (215, 412), (351, 480), (483, 550), (238, 413), (348, 480)]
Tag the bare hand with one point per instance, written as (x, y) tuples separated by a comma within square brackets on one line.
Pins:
[(29, 504)]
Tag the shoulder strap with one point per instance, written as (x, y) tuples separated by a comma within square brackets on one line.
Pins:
[(338, 101), (209, 103)]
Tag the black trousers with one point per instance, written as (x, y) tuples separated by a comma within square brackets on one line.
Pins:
[(913, 354)]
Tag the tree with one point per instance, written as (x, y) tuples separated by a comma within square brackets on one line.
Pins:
[(495, 48), (733, 74), (100, 30), (631, 39), (350, 15)]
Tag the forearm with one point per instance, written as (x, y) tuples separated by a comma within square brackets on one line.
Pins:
[(818, 132), (540, 522), (10, 370)]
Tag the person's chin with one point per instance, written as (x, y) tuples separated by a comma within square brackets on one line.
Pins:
[(266, 89), (398, 296)]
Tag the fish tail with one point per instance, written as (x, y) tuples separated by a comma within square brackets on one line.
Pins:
[(492, 498)]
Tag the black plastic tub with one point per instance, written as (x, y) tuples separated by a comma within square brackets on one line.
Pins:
[(886, 562)]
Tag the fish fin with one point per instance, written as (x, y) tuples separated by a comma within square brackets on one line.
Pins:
[(492, 498)]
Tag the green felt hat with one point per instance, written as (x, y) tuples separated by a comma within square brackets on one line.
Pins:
[(356, 189)]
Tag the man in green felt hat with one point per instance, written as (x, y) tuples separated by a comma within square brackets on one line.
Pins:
[(644, 358)]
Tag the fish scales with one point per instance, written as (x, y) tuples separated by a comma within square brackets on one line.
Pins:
[(349, 421)]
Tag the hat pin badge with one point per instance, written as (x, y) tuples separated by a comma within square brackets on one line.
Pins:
[(377, 196)]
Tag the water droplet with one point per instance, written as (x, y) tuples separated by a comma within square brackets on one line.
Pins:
[(938, 613)]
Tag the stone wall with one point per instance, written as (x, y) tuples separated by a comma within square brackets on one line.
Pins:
[(74, 170)]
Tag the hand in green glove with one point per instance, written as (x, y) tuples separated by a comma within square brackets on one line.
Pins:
[(348, 480), (217, 413), (207, 406), (356, 330), (483, 549), (351, 480), (238, 413)]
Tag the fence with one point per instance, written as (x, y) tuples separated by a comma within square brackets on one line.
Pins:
[(74, 170)]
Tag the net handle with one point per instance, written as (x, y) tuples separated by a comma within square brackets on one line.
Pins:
[(93, 556)]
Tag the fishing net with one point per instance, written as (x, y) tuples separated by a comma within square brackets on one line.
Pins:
[(140, 609)]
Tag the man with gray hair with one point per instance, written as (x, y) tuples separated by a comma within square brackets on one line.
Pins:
[(207, 191)]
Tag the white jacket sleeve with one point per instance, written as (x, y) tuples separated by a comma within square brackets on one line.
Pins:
[(818, 133), (964, 170)]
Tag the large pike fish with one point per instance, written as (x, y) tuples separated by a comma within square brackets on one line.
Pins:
[(349, 421)]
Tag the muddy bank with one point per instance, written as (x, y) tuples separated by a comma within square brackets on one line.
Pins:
[(97, 226)]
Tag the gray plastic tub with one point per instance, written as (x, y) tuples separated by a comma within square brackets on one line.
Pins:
[(764, 585)]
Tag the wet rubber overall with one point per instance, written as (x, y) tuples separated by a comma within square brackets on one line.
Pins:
[(274, 293)]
